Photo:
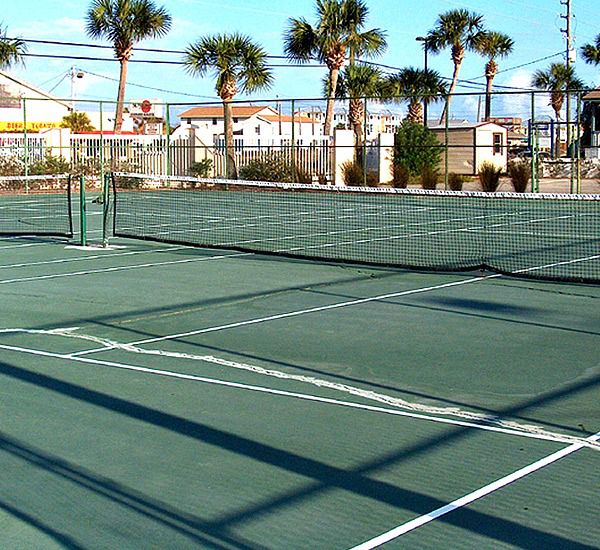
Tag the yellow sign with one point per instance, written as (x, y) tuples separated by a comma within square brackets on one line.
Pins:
[(17, 126)]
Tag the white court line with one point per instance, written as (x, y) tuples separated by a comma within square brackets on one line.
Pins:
[(370, 395), (471, 497), (123, 268), (91, 257), (337, 305), (556, 438), (299, 312)]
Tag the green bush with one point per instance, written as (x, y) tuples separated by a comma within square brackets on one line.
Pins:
[(201, 169), (273, 167), (489, 177), (519, 172), (416, 147), (456, 181), (400, 176), (49, 165), (354, 175), (429, 177), (11, 166)]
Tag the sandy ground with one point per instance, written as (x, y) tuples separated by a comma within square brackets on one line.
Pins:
[(547, 185)]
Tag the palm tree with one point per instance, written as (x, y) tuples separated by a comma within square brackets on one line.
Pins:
[(418, 86), (337, 34), (12, 50), (459, 30), (77, 122), (239, 65), (591, 52), (125, 22), (557, 79), (357, 82), (492, 45)]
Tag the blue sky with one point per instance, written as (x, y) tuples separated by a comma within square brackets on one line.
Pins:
[(533, 24)]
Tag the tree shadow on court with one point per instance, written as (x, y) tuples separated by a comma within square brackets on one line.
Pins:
[(324, 476)]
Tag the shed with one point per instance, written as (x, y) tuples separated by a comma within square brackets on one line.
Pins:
[(471, 144), (592, 144)]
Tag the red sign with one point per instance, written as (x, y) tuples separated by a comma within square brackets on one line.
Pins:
[(146, 106)]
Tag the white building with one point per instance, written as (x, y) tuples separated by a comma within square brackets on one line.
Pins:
[(381, 122), (24, 106), (255, 124)]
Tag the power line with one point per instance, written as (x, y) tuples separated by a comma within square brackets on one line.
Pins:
[(150, 87), (106, 47)]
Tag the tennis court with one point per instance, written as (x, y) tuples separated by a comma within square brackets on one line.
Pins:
[(158, 394)]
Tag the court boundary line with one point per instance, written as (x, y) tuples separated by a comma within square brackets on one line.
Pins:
[(299, 312), (109, 254), (555, 438), (473, 496), (123, 268)]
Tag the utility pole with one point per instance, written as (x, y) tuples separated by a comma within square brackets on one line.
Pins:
[(569, 58)]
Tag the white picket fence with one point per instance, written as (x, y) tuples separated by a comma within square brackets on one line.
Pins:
[(155, 155), (32, 146), (312, 155), (175, 155)]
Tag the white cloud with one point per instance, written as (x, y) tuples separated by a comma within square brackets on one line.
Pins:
[(519, 104)]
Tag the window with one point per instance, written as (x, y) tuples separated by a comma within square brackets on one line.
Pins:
[(214, 121), (257, 130), (497, 143)]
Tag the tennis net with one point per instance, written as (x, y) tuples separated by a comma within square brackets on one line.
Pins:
[(36, 205), (555, 237)]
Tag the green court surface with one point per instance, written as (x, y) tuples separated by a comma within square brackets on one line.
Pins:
[(162, 396)]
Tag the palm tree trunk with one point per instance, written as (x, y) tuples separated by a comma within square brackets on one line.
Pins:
[(457, 57), (488, 97), (121, 96), (491, 69), (333, 78), (415, 112), (356, 116), (229, 145)]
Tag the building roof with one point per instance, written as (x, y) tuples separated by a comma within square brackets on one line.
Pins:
[(464, 125), (216, 111), (594, 94), (28, 86), (288, 118)]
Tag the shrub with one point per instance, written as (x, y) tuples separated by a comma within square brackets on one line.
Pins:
[(416, 147), (429, 177), (11, 166), (489, 177), (456, 181), (400, 175), (354, 175), (519, 172), (201, 169), (49, 165), (273, 167)]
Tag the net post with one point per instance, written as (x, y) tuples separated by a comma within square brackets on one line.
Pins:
[(105, 194), (83, 213)]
